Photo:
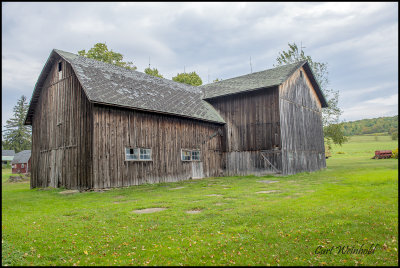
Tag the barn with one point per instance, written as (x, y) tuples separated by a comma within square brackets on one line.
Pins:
[(96, 125), (22, 162)]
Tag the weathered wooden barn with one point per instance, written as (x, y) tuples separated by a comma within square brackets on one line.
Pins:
[(96, 125)]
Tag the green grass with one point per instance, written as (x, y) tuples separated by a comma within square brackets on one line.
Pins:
[(350, 203)]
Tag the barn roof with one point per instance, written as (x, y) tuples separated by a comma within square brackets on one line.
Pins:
[(112, 85), (22, 157), (7, 152), (264, 79)]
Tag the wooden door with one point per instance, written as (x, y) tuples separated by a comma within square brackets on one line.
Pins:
[(197, 170)]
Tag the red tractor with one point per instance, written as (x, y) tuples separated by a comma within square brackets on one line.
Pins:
[(383, 154)]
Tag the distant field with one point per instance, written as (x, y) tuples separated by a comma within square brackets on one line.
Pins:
[(353, 202)]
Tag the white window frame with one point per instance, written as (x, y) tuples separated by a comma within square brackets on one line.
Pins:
[(139, 153), (191, 151), (22, 165)]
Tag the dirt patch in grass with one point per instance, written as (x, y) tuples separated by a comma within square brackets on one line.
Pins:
[(124, 201), (268, 192), (177, 188), (266, 181), (69, 192), (194, 211), (220, 204), (18, 178), (119, 196), (213, 194), (148, 210)]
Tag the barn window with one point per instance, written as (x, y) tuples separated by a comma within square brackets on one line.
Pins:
[(301, 74), (190, 155), (22, 165), (60, 70), (186, 155), (137, 154)]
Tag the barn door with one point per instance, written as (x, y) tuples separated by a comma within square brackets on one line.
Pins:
[(197, 170)]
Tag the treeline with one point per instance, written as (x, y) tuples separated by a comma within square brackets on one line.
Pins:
[(370, 126)]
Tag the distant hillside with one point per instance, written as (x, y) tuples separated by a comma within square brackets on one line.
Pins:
[(369, 126)]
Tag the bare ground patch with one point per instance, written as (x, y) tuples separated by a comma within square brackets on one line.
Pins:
[(268, 192), (149, 210), (266, 181), (194, 211)]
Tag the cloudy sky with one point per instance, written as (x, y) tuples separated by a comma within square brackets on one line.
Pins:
[(358, 41)]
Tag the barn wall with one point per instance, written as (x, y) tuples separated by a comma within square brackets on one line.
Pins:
[(301, 126), (118, 128), (252, 125), (61, 139)]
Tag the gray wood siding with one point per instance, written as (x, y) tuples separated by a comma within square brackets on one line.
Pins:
[(252, 125), (301, 126), (117, 128), (61, 140)]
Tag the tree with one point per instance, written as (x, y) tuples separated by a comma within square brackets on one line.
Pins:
[(100, 52), (330, 115), (153, 72), (188, 78), (217, 80), (395, 135), (17, 136)]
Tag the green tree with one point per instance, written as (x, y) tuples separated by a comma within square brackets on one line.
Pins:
[(153, 72), (334, 133), (330, 115), (100, 52), (217, 80), (188, 78), (395, 135), (17, 136)]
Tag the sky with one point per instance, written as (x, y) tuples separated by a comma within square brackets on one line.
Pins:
[(358, 41)]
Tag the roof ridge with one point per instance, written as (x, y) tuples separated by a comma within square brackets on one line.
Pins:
[(128, 70), (254, 73)]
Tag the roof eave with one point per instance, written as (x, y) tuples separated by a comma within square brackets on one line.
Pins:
[(243, 91), (154, 111), (35, 93), (315, 84)]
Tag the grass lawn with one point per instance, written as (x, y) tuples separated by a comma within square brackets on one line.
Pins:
[(353, 202)]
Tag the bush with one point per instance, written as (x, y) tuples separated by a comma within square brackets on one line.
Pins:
[(395, 154), (395, 135)]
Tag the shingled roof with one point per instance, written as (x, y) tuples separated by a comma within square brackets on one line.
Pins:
[(264, 79), (22, 157), (112, 85), (7, 152)]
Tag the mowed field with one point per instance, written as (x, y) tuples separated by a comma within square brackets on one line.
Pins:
[(350, 204)]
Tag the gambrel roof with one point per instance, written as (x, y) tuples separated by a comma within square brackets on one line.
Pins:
[(22, 157), (108, 84), (112, 85), (258, 80)]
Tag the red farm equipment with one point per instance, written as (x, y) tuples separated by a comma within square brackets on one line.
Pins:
[(383, 154)]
